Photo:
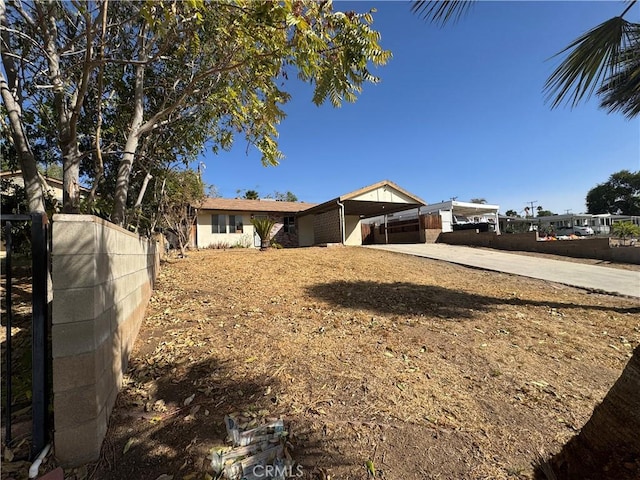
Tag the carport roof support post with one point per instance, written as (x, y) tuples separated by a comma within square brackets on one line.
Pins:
[(342, 227)]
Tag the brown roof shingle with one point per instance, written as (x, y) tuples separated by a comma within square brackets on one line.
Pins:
[(242, 205)]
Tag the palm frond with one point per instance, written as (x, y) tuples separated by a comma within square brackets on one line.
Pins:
[(621, 91), (441, 11), (592, 58)]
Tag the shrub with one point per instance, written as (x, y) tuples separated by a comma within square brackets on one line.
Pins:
[(263, 227), (624, 230)]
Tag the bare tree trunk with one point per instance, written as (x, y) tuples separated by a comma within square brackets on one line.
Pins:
[(124, 169), (70, 179), (11, 97), (122, 182), (67, 109)]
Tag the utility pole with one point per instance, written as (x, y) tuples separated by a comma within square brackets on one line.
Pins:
[(533, 214)]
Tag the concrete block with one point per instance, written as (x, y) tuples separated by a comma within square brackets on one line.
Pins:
[(73, 237), (116, 353), (80, 337), (111, 399), (76, 371), (102, 329), (83, 404), (103, 297), (73, 271), (73, 304), (80, 444), (104, 268)]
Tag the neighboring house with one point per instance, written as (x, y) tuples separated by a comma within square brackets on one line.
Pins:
[(55, 185), (227, 222), (600, 223), (465, 215)]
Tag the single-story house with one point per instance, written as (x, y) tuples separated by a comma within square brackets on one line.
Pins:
[(10, 179), (225, 222)]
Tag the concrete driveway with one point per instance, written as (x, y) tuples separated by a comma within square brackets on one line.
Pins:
[(592, 277)]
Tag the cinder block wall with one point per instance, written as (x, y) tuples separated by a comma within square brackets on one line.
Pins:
[(103, 276), (598, 248), (326, 227)]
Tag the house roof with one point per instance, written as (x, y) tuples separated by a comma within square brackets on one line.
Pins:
[(51, 181), (466, 209), (263, 205), (378, 199)]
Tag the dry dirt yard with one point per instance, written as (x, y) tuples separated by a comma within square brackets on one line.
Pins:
[(429, 370)]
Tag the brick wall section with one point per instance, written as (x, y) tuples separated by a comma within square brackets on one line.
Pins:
[(102, 277), (284, 238), (597, 248), (326, 227)]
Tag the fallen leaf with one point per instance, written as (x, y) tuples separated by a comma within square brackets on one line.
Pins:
[(189, 399), (8, 455), (128, 445), (371, 468)]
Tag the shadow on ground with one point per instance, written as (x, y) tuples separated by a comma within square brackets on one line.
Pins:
[(152, 432), (608, 445), (414, 299), (21, 385)]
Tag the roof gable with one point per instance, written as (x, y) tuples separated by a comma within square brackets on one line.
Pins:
[(384, 191)]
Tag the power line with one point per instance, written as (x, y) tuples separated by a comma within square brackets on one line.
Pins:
[(532, 210)]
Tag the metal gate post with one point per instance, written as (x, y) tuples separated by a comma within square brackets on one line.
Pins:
[(40, 330), (8, 273)]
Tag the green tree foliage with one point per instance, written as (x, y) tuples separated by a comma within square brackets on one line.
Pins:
[(544, 213), (618, 195), (511, 213), (115, 87), (251, 195), (605, 60), (285, 197), (625, 230), (478, 200)]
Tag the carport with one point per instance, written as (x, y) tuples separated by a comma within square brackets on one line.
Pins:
[(339, 220), (453, 213)]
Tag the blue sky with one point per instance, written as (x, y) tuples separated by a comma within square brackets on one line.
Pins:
[(459, 112)]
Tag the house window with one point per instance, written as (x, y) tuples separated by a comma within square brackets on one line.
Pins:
[(235, 223), (226, 224), (218, 224), (289, 225)]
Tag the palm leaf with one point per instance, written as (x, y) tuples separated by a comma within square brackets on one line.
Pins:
[(592, 58), (441, 11), (621, 91)]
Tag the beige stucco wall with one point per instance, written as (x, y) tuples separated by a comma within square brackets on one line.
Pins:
[(207, 239), (306, 236), (102, 277), (353, 231)]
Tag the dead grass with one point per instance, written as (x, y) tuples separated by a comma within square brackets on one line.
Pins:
[(428, 369)]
